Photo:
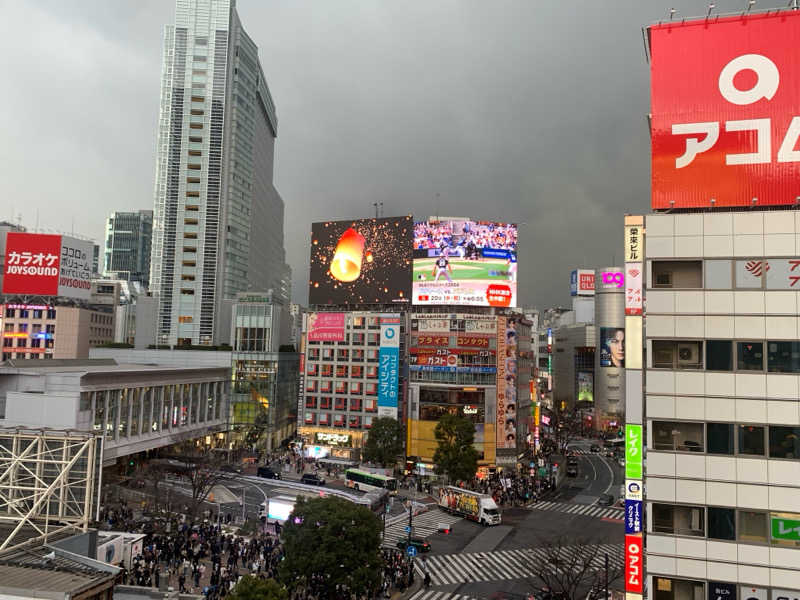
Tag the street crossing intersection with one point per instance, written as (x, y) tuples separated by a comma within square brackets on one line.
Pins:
[(587, 510), (424, 594), (425, 525), (446, 569)]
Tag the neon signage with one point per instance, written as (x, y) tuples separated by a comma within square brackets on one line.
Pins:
[(613, 279)]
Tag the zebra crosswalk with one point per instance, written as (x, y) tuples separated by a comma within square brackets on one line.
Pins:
[(424, 594), (425, 525), (447, 569), (587, 510)]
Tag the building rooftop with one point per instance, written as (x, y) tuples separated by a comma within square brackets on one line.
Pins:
[(87, 366)]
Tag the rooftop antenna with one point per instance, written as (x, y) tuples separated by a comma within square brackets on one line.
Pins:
[(672, 12), (381, 204), (711, 7), (437, 204), (375, 204), (750, 4), (793, 4)]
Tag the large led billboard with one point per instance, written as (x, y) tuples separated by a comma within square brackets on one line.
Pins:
[(725, 104), (367, 261), (38, 264), (464, 262)]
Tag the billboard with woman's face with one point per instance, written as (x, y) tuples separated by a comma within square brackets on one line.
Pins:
[(612, 347)]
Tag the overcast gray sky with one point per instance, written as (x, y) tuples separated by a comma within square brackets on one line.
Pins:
[(527, 111)]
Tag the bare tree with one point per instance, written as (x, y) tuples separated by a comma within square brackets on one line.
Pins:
[(572, 568), (201, 471), (568, 427)]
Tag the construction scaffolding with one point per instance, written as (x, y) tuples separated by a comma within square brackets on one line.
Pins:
[(49, 484)]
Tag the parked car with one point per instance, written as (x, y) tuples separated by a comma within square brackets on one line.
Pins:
[(418, 543), (312, 479), (572, 471), (268, 473), (605, 500)]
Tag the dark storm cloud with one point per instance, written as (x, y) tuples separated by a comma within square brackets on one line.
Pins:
[(521, 111)]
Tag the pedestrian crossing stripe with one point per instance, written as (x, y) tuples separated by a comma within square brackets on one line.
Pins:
[(587, 510), (448, 569), (424, 525), (424, 594)]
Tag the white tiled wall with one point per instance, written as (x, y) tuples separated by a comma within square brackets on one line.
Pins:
[(756, 315)]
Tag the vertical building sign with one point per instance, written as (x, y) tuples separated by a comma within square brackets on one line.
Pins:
[(506, 382), (634, 565), (389, 366), (301, 392), (633, 451)]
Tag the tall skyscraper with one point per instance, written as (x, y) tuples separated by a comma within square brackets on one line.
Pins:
[(218, 226), (127, 246)]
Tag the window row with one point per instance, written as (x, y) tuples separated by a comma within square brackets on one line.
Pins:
[(25, 313), (338, 420), (727, 355), (728, 524), (355, 371), (744, 439), (327, 403), (749, 274), (355, 387), (455, 325), (356, 354)]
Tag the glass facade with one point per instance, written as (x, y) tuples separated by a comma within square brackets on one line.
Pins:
[(215, 154), (127, 245)]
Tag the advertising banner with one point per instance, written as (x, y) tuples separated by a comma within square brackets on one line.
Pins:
[(367, 261), (326, 327), (633, 451), (433, 340), (724, 102), (47, 265), (785, 529), (573, 283), (585, 384), (633, 516), (585, 282), (481, 326), (633, 288), (612, 279), (506, 383), (612, 347), (464, 262), (389, 366), (433, 325), (634, 567)]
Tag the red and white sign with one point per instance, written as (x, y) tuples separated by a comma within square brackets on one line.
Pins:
[(633, 288), (725, 104), (38, 264), (634, 564), (585, 282)]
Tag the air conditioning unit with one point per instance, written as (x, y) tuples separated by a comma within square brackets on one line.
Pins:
[(663, 279), (688, 354)]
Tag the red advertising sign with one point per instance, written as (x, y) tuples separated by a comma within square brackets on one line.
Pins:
[(585, 283), (326, 327), (634, 564), (473, 341), (433, 340), (725, 104), (32, 264)]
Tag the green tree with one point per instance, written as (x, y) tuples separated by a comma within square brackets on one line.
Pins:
[(252, 588), (335, 539), (385, 442), (455, 455)]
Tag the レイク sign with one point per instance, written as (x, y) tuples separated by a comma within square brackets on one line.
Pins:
[(725, 123), (633, 451)]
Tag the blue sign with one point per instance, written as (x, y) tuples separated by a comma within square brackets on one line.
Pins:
[(495, 253), (573, 283), (388, 376), (442, 369), (408, 528), (411, 551), (633, 517)]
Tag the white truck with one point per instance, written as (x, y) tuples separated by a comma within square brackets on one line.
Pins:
[(480, 508)]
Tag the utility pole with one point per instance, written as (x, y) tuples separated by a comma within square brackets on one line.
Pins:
[(606, 586)]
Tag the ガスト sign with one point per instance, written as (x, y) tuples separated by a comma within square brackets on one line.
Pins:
[(725, 111)]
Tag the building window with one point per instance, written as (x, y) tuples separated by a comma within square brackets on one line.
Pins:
[(718, 274), (685, 274), (355, 404), (667, 588), (311, 402), (679, 520), (10, 312), (356, 372), (370, 405), (784, 442), (721, 523), (338, 420), (669, 354), (325, 419), (340, 403), (677, 436), (752, 526), (751, 440), (749, 273), (719, 355), (372, 372), (325, 403), (51, 313), (750, 356), (783, 357), (719, 438)]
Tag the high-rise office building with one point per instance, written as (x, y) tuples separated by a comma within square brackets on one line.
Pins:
[(127, 246), (218, 222)]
